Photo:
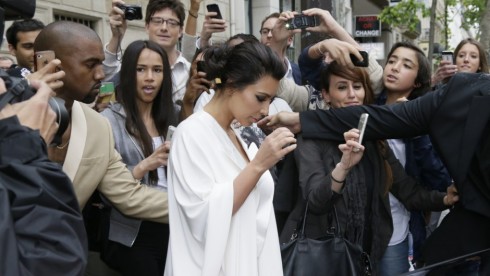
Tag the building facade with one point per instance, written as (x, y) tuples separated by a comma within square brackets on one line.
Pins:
[(245, 16)]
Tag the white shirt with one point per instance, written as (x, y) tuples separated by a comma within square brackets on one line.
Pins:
[(400, 215), (180, 75)]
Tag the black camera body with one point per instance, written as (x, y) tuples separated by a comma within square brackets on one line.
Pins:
[(301, 21), (18, 90), (132, 12)]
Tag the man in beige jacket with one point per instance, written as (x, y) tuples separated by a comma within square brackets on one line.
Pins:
[(87, 150)]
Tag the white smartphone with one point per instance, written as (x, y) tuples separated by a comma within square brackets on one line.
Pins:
[(362, 126), (170, 133)]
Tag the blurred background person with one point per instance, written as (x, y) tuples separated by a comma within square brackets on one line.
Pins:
[(20, 37)]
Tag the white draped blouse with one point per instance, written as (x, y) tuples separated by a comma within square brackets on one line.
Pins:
[(205, 238)]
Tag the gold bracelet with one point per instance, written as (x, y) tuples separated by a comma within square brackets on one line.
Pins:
[(195, 16)]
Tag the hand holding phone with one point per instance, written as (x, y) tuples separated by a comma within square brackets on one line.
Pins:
[(42, 58), (362, 126), (106, 92), (214, 8)]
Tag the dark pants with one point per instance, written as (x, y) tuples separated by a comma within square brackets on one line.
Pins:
[(147, 256), (461, 232)]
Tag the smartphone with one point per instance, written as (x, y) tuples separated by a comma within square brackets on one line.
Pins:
[(362, 126), (201, 65), (42, 58), (357, 62), (301, 21), (214, 8), (170, 133), (447, 55), (106, 92)]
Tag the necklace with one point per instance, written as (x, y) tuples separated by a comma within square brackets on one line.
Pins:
[(63, 146)]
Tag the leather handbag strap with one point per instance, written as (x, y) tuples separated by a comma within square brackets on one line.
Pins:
[(303, 224)]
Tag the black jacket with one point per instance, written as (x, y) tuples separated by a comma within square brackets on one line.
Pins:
[(41, 228), (317, 158)]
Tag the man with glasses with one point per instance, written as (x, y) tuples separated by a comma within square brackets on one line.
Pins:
[(164, 23), (266, 27)]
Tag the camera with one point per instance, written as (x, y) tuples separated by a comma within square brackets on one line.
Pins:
[(18, 90), (301, 21), (131, 12)]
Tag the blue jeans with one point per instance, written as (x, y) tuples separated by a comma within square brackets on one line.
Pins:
[(395, 260)]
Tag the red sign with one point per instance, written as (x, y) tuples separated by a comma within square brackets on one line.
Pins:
[(367, 26)]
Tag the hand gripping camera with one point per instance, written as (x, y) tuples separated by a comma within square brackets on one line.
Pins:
[(18, 90)]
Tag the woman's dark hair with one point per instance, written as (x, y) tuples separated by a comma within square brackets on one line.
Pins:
[(360, 75), (353, 74), (163, 110), (423, 74), (482, 54), (244, 37), (242, 65)]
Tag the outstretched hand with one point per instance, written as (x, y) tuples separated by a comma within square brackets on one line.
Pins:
[(116, 19), (289, 120), (445, 70)]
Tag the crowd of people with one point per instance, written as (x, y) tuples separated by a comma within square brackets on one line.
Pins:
[(120, 194)]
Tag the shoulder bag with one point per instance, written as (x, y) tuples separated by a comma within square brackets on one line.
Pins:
[(329, 255)]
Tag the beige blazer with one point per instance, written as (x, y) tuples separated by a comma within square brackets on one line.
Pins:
[(93, 163)]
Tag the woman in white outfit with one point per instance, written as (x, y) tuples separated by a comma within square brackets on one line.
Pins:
[(220, 190)]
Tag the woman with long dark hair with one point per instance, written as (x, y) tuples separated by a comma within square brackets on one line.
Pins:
[(140, 120)]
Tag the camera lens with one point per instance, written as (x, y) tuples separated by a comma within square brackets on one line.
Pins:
[(130, 14)]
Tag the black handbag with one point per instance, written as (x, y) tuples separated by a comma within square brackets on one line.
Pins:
[(329, 255)]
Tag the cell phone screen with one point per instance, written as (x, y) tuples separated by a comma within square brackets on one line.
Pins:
[(214, 8), (447, 55)]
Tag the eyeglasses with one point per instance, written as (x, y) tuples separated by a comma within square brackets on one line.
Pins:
[(265, 31), (158, 21)]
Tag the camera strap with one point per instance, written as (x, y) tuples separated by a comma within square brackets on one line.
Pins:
[(11, 93)]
